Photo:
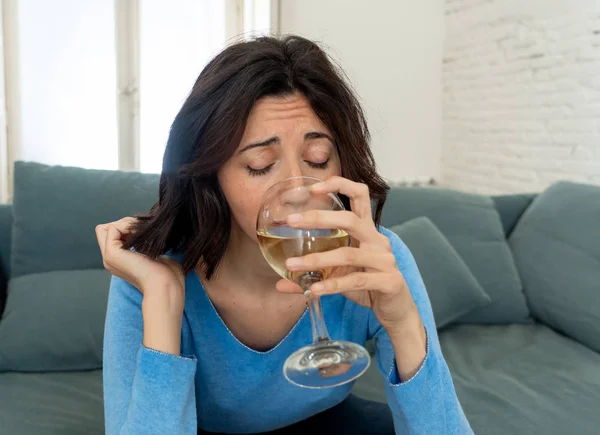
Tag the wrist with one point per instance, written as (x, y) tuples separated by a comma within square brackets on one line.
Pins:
[(162, 333), (409, 341), (163, 317), (166, 297), (402, 315)]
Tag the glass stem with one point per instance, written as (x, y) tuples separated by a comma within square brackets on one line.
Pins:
[(319, 329)]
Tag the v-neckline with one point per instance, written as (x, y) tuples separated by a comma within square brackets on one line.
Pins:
[(237, 340)]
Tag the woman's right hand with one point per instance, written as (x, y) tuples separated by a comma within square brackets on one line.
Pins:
[(137, 269), (161, 281)]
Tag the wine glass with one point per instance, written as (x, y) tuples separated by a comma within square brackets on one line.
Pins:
[(325, 363)]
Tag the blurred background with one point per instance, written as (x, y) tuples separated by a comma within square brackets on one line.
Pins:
[(494, 100), (489, 96)]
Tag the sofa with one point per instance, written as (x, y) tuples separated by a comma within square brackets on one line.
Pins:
[(514, 282)]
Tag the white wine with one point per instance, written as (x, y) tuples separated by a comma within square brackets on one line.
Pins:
[(277, 248)]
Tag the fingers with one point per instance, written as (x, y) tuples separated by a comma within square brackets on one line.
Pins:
[(359, 258), (101, 231), (364, 231), (358, 193), (110, 236), (139, 270), (122, 226), (358, 281), (114, 238)]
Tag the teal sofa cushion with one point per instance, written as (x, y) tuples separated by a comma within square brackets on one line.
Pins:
[(556, 246), (51, 403), (56, 209), (452, 288), (523, 379), (54, 321), (472, 226)]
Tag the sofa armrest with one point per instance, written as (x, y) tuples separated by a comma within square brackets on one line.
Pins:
[(5, 246)]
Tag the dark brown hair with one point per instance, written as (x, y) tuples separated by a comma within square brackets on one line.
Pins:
[(192, 215)]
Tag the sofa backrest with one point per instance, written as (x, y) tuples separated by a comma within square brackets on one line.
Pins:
[(556, 250), (511, 208), (473, 227), (56, 209)]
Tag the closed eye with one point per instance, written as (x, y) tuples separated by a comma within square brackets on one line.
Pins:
[(322, 165), (261, 171), (266, 169)]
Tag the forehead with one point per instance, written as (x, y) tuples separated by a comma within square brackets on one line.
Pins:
[(280, 109)]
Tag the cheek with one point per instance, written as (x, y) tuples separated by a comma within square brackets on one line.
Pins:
[(244, 203), (335, 169)]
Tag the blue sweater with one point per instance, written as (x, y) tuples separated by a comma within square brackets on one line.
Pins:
[(220, 385)]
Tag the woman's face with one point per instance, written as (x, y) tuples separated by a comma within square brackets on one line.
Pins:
[(283, 138)]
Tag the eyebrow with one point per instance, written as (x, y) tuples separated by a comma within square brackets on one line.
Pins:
[(264, 143), (275, 140), (317, 135)]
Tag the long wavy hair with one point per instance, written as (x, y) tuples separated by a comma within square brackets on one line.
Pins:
[(192, 215)]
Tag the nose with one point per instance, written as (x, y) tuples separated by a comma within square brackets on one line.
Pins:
[(293, 168)]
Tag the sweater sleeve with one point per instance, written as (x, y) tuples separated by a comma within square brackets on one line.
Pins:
[(145, 391), (426, 403)]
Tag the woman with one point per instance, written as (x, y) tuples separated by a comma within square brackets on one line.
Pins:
[(196, 340)]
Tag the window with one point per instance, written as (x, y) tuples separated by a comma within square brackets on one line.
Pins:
[(66, 83), (97, 83), (175, 44)]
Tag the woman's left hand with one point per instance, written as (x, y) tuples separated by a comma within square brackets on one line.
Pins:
[(371, 277)]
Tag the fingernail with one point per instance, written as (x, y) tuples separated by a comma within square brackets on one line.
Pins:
[(317, 288), (293, 263), (318, 186), (294, 218)]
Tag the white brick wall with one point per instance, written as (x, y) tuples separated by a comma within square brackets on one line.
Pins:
[(521, 94)]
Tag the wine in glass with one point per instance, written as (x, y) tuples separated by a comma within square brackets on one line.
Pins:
[(325, 363)]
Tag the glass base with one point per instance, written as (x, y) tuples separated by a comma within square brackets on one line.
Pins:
[(327, 364)]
